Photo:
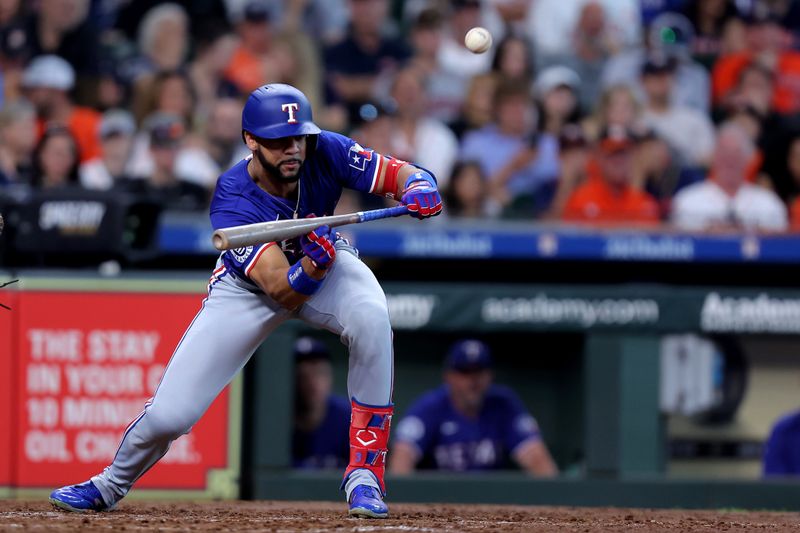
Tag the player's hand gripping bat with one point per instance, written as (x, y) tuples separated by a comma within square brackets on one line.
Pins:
[(279, 230)]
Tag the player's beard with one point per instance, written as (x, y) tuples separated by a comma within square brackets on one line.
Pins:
[(274, 171)]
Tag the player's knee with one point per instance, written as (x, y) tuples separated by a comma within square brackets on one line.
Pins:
[(368, 318), (162, 424)]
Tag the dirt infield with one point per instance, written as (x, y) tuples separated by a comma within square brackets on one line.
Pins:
[(324, 517)]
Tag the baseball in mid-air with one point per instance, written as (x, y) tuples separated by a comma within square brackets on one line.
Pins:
[(478, 40)]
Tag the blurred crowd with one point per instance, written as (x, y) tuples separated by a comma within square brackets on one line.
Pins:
[(684, 112)]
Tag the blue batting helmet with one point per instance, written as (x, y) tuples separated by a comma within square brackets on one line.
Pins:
[(278, 110)]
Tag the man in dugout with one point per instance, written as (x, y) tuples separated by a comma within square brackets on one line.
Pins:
[(320, 438), (469, 423)]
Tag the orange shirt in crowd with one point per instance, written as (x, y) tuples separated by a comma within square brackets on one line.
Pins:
[(245, 70), (786, 95), (84, 125), (596, 201)]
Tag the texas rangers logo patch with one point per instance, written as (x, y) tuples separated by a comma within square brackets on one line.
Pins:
[(358, 156)]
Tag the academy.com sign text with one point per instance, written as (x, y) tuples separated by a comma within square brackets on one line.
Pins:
[(543, 309)]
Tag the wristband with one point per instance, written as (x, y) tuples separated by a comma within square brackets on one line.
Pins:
[(301, 282), (421, 175)]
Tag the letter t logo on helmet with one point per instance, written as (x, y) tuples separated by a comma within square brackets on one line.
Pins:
[(290, 108), (277, 110)]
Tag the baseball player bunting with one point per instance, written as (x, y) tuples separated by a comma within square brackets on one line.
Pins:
[(295, 170)]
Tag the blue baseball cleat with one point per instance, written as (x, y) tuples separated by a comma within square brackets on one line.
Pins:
[(79, 498), (366, 502)]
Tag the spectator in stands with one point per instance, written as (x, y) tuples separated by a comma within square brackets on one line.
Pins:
[(608, 194), (617, 107), (166, 136), (750, 103), (508, 15), (12, 49), (500, 18), (17, 142), (513, 59), (375, 126), (752, 123), (300, 66), (359, 67), (252, 63), (768, 45), (47, 81), (574, 152), (445, 91), (792, 176), (669, 36), (689, 131), (476, 110), (725, 200), (656, 170), (223, 134), (787, 13), (653, 8), (467, 192), (715, 22), (55, 161), (9, 13), (782, 449), (113, 90), (590, 47), (163, 39), (502, 149), (551, 24), (469, 423), (556, 96), (264, 55), (13, 39), (62, 28), (326, 20), (213, 52), (193, 162), (755, 87), (556, 91), (117, 130), (320, 438), (418, 137), (170, 91), (128, 15), (454, 57)]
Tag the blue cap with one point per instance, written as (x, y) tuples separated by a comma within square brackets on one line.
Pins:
[(468, 355), (310, 349)]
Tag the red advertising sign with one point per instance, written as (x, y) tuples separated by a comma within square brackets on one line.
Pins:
[(6, 391), (87, 364)]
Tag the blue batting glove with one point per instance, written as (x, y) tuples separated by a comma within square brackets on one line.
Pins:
[(421, 195)]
